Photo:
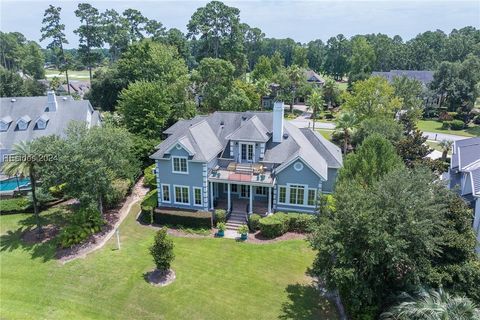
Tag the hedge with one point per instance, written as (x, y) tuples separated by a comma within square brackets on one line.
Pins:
[(279, 223), (188, 219), (274, 225), (15, 205), (300, 222), (254, 222)]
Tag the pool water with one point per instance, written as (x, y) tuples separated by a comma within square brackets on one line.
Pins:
[(12, 184)]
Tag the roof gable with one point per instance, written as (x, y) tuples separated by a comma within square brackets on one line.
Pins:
[(252, 130)]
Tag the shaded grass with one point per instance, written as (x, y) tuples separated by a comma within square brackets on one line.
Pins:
[(216, 279), (436, 126)]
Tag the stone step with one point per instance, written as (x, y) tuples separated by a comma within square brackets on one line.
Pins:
[(243, 218), (234, 223)]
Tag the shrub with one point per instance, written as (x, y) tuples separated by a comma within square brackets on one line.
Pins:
[(193, 219), (43, 196), (254, 222), (84, 222), (446, 125), (220, 215), (15, 205), (243, 229), (300, 222), (149, 178), (162, 250), (150, 201), (274, 225), (221, 226), (476, 120), (57, 191), (457, 125), (445, 116), (120, 189)]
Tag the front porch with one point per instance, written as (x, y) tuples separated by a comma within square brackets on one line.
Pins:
[(241, 187), (242, 205)]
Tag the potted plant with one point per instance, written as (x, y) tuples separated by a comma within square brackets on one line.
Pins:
[(243, 231), (221, 229)]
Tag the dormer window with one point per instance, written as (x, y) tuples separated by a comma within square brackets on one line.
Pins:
[(179, 165), (42, 122), (22, 123), (5, 123)]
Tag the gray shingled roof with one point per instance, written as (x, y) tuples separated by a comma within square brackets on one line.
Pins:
[(424, 76), (250, 130), (465, 152), (312, 76), (209, 136), (28, 108)]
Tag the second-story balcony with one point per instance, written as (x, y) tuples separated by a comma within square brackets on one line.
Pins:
[(242, 173)]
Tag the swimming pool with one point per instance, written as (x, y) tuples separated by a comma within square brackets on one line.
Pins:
[(12, 184)]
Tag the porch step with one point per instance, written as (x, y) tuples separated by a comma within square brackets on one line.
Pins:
[(236, 220)]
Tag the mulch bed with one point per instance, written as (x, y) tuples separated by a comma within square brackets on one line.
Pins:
[(257, 237), (110, 216), (31, 236), (160, 278)]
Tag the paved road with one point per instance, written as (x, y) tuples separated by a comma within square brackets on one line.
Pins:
[(304, 121)]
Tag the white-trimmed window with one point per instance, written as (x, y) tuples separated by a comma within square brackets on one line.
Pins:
[(297, 194), (282, 194), (179, 165), (197, 196), (312, 194), (165, 193), (233, 188), (182, 194), (261, 191)]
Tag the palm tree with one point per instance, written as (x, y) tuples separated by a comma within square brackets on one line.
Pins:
[(315, 104), (445, 145), (22, 163), (433, 305), (346, 122)]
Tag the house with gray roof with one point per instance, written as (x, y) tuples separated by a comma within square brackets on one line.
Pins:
[(424, 76), (464, 174), (244, 162), (28, 118)]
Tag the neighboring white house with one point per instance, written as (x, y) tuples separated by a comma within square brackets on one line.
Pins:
[(465, 175), (28, 118)]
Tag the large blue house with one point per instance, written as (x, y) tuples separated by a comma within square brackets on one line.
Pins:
[(250, 162)]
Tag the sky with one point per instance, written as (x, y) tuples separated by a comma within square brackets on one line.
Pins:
[(300, 20)]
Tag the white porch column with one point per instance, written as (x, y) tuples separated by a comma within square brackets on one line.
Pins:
[(228, 197), (211, 195), (250, 208), (269, 200)]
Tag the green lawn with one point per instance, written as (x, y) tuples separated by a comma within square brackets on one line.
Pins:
[(436, 126), (326, 133), (81, 75), (216, 279)]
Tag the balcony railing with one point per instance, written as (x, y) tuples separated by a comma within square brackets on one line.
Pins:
[(242, 172)]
